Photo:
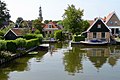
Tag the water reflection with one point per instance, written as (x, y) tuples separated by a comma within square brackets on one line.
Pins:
[(98, 56), (73, 61), (19, 65), (82, 62), (54, 47)]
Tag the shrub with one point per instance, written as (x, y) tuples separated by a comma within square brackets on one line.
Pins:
[(1, 37), (29, 36), (11, 45), (2, 44), (78, 38), (51, 35), (37, 32), (1, 33), (20, 43), (32, 43), (33, 36), (40, 37), (59, 35)]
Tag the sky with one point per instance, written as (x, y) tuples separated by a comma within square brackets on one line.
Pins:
[(54, 9)]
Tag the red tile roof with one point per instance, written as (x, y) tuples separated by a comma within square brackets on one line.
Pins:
[(52, 23)]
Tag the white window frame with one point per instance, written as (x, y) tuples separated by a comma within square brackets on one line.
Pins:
[(99, 26)]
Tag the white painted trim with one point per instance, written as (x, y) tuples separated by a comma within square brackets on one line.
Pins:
[(114, 27), (95, 22), (50, 29), (10, 30)]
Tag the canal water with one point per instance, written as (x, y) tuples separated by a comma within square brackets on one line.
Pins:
[(63, 62)]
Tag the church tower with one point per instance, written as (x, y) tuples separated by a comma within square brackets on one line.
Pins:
[(40, 14)]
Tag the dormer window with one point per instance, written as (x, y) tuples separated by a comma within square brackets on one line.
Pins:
[(49, 26), (99, 25)]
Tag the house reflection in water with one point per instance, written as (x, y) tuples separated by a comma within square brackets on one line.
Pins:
[(98, 56)]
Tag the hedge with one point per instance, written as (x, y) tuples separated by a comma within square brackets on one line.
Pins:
[(2, 44), (12, 45), (78, 38), (29, 36), (20, 42), (32, 43), (32, 36)]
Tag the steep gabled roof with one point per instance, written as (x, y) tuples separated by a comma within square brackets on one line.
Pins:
[(110, 16), (91, 22), (52, 23), (96, 22), (18, 31)]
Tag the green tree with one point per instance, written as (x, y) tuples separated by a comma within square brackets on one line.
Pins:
[(4, 14), (24, 24), (37, 24), (59, 35), (60, 22), (46, 21), (85, 25), (72, 19), (18, 22)]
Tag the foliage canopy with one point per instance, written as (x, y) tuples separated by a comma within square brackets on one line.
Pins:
[(72, 20), (4, 14)]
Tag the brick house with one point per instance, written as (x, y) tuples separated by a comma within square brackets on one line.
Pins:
[(98, 31)]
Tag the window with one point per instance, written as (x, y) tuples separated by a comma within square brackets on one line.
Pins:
[(99, 25), (94, 35), (115, 22), (103, 34), (49, 26)]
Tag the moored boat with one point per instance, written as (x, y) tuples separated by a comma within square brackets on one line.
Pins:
[(96, 43)]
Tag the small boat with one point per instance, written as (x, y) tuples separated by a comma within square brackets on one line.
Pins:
[(32, 53), (96, 43)]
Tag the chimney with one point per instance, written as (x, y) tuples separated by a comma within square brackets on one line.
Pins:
[(104, 19)]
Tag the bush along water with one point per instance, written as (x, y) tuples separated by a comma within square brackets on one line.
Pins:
[(10, 49), (78, 38), (29, 41), (59, 35)]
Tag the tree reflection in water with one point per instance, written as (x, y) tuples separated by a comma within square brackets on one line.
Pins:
[(96, 55), (73, 61), (19, 65)]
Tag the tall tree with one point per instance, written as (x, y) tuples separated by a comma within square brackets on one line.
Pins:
[(37, 23), (85, 25), (72, 19), (18, 22), (60, 22), (4, 14), (46, 21)]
